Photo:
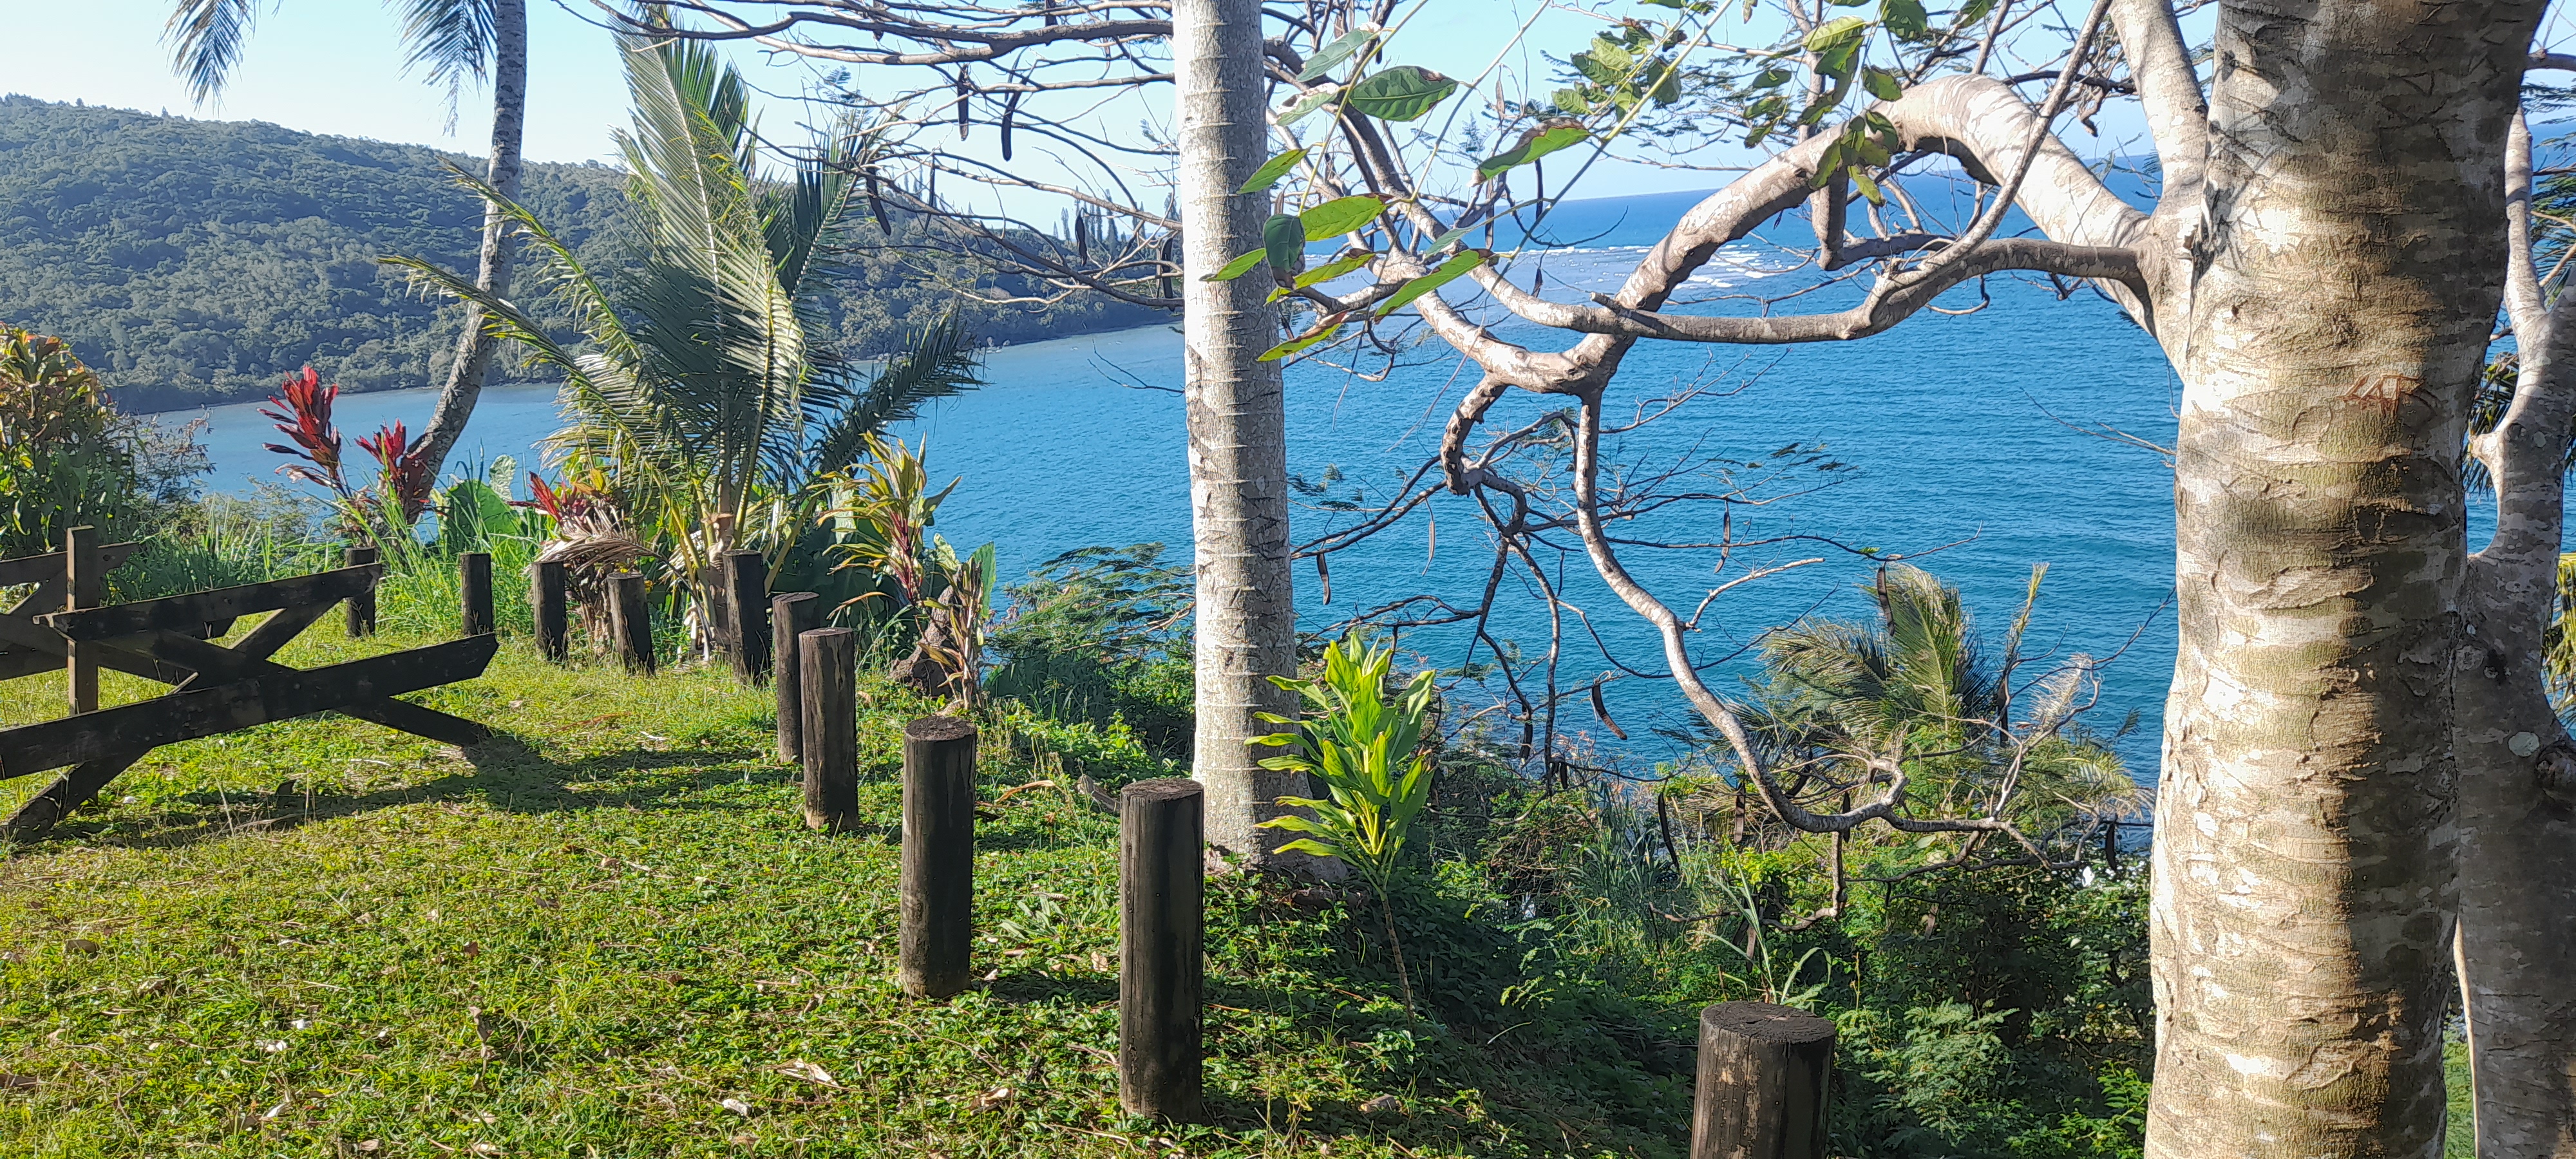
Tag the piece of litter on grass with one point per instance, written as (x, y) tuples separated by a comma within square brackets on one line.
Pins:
[(370, 1144), (485, 1148), (737, 1106), (273, 1045), (1383, 1105), (801, 1069), (986, 1100)]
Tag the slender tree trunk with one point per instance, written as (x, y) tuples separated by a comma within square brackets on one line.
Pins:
[(1246, 622), (474, 348), (2516, 955), (2349, 266)]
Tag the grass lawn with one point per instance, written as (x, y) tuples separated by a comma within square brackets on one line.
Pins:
[(609, 934)]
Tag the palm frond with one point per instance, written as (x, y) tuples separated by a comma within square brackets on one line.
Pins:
[(449, 41), (205, 39), (939, 363)]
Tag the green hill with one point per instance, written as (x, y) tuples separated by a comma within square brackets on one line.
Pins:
[(200, 261)]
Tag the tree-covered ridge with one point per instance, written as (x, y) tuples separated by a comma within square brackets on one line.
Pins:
[(194, 261)]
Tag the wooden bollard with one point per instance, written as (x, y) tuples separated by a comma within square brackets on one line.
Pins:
[(81, 589), (938, 881), (1162, 954), (631, 621), (550, 597), (791, 614), (827, 681), (746, 580), (474, 593), (361, 608), (1764, 1070)]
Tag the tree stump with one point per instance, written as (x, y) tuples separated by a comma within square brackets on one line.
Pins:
[(791, 615), (828, 680), (938, 882), (1764, 1071), (474, 593), (550, 598), (631, 621), (361, 608), (1162, 951)]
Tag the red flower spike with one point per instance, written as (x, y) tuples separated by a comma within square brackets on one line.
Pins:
[(407, 469), (304, 415)]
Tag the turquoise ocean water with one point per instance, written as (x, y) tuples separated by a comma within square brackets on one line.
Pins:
[(1958, 430)]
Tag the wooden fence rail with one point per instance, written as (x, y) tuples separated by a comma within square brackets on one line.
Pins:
[(214, 688)]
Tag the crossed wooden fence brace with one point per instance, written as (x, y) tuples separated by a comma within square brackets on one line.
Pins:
[(215, 688)]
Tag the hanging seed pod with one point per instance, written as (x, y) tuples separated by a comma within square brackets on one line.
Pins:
[(964, 89), (876, 201), (1082, 235), (1010, 109), (1171, 242), (1601, 708), (1324, 576), (1048, 10)]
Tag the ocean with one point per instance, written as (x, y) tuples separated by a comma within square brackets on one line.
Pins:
[(1973, 443)]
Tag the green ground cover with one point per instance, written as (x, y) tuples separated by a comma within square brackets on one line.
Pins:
[(608, 934)]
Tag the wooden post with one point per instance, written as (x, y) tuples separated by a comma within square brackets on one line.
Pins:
[(549, 595), (1763, 1075), (938, 880), (81, 589), (361, 607), (631, 621), (474, 593), (1161, 948), (746, 580), (827, 680), (791, 614)]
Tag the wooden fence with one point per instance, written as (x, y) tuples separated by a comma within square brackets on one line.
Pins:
[(214, 688)]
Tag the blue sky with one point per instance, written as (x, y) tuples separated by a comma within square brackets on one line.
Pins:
[(334, 66)]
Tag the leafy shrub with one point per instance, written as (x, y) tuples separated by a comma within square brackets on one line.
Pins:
[(1100, 635), (68, 458)]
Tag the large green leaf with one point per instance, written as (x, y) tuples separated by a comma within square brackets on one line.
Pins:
[(1284, 239), (1306, 103), (1241, 265), (1449, 271), (1533, 145), (1402, 93), (1342, 48), (1339, 216), (1300, 342), (1272, 170)]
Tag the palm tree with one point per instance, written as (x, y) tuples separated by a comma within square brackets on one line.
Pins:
[(1916, 693), (452, 40), (696, 400)]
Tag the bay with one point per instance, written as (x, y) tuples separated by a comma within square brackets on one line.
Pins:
[(1961, 433)]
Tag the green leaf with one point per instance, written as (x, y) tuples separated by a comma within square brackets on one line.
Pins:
[(1839, 33), (1339, 216), (1333, 269), (1449, 271), (1533, 145), (1572, 102), (1974, 11), (1905, 18), (1341, 48), (1881, 84), (1612, 53), (1306, 103), (1272, 170), (1284, 239), (1237, 268), (1402, 93), (1294, 345), (1867, 187), (1771, 78), (1446, 239)]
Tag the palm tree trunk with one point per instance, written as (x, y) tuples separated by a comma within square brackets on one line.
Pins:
[(1246, 621), (474, 349)]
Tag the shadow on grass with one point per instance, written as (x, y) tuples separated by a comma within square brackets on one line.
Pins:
[(508, 774)]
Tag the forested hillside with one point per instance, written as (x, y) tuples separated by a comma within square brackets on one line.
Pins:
[(200, 261)]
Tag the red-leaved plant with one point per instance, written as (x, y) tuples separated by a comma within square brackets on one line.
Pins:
[(303, 414)]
